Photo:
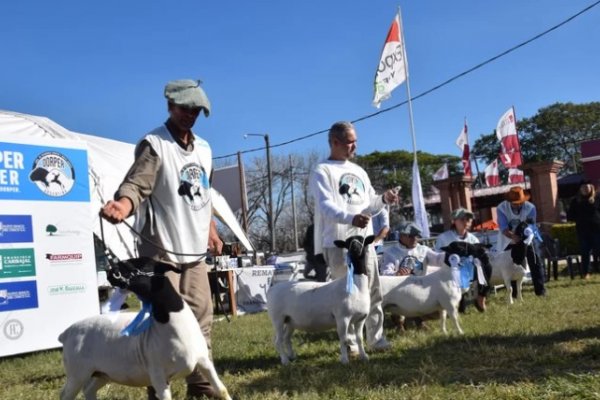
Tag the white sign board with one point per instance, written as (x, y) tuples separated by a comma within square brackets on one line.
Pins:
[(47, 261), (251, 288)]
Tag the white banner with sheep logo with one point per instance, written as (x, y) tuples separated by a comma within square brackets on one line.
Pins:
[(47, 260)]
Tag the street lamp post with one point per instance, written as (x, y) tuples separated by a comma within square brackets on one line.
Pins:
[(270, 216)]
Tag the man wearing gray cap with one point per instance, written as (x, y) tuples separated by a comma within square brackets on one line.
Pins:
[(408, 256), (168, 190)]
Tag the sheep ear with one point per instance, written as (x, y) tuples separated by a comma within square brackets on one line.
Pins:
[(369, 239), (162, 268), (340, 243), (445, 249)]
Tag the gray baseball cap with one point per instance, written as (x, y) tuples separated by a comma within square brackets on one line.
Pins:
[(461, 213), (187, 93), (410, 229)]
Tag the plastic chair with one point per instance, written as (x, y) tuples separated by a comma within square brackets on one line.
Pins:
[(552, 254)]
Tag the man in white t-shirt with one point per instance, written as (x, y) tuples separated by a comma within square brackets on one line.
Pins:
[(344, 203)]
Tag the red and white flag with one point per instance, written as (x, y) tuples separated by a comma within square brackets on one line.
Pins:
[(492, 177), (392, 69), (441, 173), (463, 144), (515, 175), (506, 131)]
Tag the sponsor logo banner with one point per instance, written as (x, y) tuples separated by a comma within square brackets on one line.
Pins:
[(29, 172), (64, 258), (13, 329), (18, 296), (66, 288), (16, 229), (55, 230), (15, 263)]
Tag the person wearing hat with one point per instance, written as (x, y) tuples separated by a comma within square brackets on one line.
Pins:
[(516, 208), (408, 256), (168, 190), (459, 232), (344, 203)]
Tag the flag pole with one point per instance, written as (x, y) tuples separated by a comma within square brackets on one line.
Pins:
[(410, 110), (423, 222)]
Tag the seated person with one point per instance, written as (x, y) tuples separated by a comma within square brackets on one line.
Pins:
[(459, 232), (408, 256)]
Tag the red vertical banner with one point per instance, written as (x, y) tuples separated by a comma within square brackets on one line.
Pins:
[(506, 131), (463, 144)]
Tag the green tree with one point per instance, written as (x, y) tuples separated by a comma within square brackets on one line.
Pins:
[(394, 168), (555, 132)]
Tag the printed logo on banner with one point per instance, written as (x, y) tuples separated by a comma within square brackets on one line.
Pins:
[(53, 173), (45, 173), (64, 258), (18, 296), (55, 230), (16, 263), (10, 164), (16, 229), (13, 329), (67, 288)]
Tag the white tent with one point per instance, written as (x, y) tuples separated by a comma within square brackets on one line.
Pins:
[(108, 161)]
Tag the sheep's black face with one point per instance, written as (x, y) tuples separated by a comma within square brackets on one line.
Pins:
[(136, 274), (520, 229), (464, 249)]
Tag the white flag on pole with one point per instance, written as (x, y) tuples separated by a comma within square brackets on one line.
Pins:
[(441, 173), (492, 176), (418, 201), (392, 70)]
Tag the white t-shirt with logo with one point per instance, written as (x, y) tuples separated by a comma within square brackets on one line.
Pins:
[(180, 205), (341, 190), (417, 259)]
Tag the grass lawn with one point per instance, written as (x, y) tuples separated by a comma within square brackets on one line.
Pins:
[(543, 348)]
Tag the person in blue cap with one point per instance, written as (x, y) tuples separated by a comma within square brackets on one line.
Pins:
[(168, 190)]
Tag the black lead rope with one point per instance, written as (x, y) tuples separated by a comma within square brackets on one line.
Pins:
[(112, 259)]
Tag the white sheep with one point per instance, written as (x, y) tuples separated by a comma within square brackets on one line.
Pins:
[(416, 296), (317, 306), (511, 265), (95, 351), (438, 291)]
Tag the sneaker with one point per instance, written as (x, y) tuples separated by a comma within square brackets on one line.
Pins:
[(381, 345)]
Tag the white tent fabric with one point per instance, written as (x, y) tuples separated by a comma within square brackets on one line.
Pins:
[(108, 162)]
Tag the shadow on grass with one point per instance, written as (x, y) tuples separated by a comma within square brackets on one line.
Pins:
[(443, 361)]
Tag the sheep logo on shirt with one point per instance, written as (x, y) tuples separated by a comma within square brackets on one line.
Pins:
[(194, 186), (352, 189), (53, 174)]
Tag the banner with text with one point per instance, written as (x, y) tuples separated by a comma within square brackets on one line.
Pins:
[(47, 261)]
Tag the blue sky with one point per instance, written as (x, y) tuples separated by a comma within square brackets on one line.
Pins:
[(293, 68)]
